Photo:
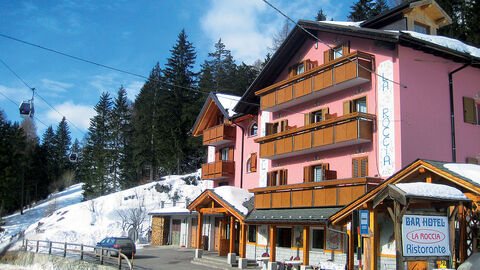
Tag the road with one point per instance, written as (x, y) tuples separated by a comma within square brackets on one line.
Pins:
[(165, 257)]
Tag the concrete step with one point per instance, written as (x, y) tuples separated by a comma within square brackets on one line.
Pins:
[(221, 263)]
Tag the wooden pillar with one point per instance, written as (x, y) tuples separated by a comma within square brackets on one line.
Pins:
[(273, 242), (243, 240), (452, 212), (351, 248), (374, 239), (398, 236), (306, 245), (199, 230), (232, 235), (463, 233)]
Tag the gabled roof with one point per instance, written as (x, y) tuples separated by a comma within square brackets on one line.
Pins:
[(215, 101), (397, 11), (386, 38), (439, 168), (235, 200)]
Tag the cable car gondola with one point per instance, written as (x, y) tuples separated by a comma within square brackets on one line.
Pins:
[(26, 109), (73, 157)]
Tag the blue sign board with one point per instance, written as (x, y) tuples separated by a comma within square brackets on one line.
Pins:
[(364, 221)]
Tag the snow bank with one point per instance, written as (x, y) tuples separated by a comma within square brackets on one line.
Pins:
[(446, 42), (90, 221), (431, 190), (470, 171), (234, 196), (228, 102)]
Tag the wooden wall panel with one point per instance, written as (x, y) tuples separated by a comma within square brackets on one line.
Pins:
[(284, 94), (302, 141), (331, 196), (339, 74), (366, 129), (267, 149), (318, 138), (352, 129), (328, 78), (350, 70), (268, 100), (319, 197), (277, 200), (318, 81), (286, 199), (302, 198), (303, 87), (349, 193), (363, 72), (262, 200)]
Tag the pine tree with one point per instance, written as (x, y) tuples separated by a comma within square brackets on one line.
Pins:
[(361, 10), (62, 145), (321, 16), (96, 151), (280, 36), (379, 7)]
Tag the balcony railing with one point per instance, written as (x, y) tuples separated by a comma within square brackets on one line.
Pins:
[(219, 134), (218, 170), (316, 194), (349, 129), (337, 75)]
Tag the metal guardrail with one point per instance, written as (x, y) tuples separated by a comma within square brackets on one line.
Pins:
[(81, 249)]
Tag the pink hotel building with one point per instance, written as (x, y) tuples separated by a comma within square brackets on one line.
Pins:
[(325, 124)]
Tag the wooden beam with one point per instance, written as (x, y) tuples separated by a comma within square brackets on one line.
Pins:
[(463, 233), (398, 236), (216, 210), (273, 242), (374, 239), (199, 231), (351, 248), (232, 235), (243, 240), (306, 245)]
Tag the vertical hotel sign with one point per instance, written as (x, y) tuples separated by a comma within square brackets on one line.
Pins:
[(386, 120), (264, 118)]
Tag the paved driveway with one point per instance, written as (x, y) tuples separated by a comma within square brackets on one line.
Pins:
[(165, 257)]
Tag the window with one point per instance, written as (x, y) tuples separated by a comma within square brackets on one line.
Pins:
[(360, 167), (225, 153), (252, 233), (337, 52), (277, 178), (284, 237), (299, 69), (471, 111), (421, 28), (272, 128), (253, 130), (302, 67), (316, 116), (355, 105), (318, 173), (318, 238), (472, 160)]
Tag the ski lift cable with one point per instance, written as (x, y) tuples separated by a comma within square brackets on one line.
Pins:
[(33, 90), (16, 104), (329, 46)]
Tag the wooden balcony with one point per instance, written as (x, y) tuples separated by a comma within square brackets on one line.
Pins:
[(217, 135), (335, 76), (346, 130), (218, 170), (316, 194)]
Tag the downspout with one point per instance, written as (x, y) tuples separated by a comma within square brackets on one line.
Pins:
[(452, 112)]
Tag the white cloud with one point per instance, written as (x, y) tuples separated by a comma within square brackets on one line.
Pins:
[(246, 27), (17, 94), (79, 115), (111, 82), (133, 89), (56, 86)]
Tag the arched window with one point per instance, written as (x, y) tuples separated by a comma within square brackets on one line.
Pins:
[(253, 130), (249, 165)]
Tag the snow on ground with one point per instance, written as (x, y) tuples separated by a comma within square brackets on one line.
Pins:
[(470, 171), (431, 190), (89, 222), (235, 196)]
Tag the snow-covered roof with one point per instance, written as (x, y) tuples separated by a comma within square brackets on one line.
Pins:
[(430, 190), (235, 196), (446, 42), (228, 102), (170, 210), (344, 23), (469, 171)]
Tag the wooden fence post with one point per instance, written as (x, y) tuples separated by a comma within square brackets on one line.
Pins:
[(81, 252), (49, 247), (119, 259), (26, 244), (101, 255), (65, 250), (36, 250)]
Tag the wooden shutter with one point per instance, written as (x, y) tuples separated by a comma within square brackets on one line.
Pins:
[(355, 163), (308, 118), (364, 167), (472, 160), (469, 111), (230, 154), (218, 155), (360, 167), (283, 125), (324, 114), (346, 48), (327, 56), (253, 162), (347, 107), (269, 179), (307, 174), (283, 177), (268, 128)]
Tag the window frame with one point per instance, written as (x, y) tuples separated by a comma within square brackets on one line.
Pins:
[(250, 134), (425, 26), (324, 244), (350, 106), (281, 178), (249, 234), (224, 152), (278, 236)]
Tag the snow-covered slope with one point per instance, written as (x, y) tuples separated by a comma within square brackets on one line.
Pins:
[(90, 221)]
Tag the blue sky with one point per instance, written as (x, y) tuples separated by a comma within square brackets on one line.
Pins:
[(128, 35)]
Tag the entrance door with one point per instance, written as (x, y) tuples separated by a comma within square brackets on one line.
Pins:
[(417, 265), (193, 233), (176, 225)]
